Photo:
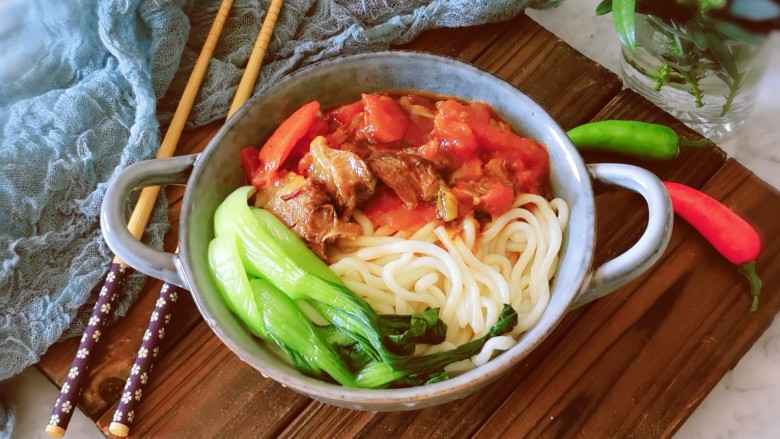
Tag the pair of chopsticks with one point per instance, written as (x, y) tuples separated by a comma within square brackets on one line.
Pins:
[(71, 387), (161, 316)]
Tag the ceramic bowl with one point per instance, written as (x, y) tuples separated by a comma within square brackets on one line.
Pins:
[(216, 172)]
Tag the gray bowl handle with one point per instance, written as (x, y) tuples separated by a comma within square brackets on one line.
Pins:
[(161, 265), (650, 246)]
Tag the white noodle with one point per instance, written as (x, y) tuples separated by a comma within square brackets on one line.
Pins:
[(469, 274)]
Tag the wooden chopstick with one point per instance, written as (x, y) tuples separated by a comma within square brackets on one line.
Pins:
[(124, 415), (71, 388), (248, 79), (148, 197)]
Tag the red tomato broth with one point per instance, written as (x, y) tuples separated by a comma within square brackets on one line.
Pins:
[(484, 163), (386, 209)]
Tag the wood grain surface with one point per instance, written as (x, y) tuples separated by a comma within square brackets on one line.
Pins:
[(633, 364)]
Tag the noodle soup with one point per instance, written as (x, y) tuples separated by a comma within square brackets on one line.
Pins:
[(419, 202)]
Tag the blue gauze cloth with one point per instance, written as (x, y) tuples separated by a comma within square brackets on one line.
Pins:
[(85, 86)]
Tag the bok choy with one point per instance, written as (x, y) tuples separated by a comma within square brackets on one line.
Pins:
[(273, 316), (265, 273), (272, 251)]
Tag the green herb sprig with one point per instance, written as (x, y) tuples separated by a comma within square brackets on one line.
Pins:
[(701, 33)]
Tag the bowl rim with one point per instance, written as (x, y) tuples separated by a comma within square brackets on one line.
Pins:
[(411, 397)]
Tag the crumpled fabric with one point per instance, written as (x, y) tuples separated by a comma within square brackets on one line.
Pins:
[(86, 87)]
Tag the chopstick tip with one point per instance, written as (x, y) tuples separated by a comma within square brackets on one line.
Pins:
[(55, 431), (118, 429)]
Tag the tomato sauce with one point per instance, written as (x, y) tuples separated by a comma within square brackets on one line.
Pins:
[(483, 162)]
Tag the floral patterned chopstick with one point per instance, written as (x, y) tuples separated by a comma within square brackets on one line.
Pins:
[(144, 360), (71, 388), (147, 353)]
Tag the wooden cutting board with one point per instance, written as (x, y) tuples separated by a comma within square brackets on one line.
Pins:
[(633, 364)]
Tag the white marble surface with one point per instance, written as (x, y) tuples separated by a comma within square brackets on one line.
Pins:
[(745, 404)]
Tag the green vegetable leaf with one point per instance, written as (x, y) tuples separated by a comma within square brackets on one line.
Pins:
[(378, 374), (506, 322), (354, 356), (722, 54), (624, 21), (403, 331), (605, 7), (300, 363)]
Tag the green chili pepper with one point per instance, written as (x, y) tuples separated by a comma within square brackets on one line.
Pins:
[(632, 137)]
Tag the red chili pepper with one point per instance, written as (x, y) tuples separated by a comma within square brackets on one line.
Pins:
[(731, 235)]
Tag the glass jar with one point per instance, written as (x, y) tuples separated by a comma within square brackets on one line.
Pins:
[(675, 67)]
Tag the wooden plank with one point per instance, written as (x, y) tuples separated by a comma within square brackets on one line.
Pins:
[(332, 420), (462, 43), (114, 356), (571, 87), (648, 354)]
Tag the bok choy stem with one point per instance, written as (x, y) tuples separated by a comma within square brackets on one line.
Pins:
[(272, 315)]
